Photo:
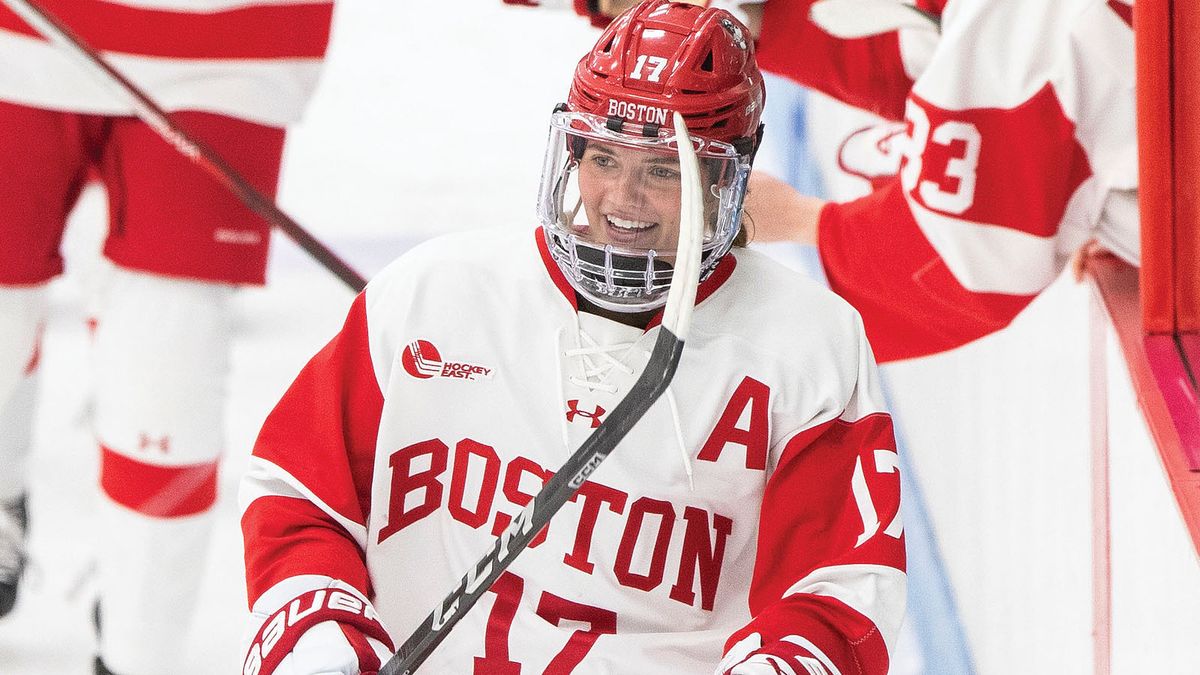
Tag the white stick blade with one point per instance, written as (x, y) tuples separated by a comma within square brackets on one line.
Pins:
[(677, 315)]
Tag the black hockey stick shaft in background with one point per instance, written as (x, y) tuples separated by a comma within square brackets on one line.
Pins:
[(537, 514), (204, 157)]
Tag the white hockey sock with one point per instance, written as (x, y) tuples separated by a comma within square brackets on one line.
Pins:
[(162, 358), (16, 437), (22, 312)]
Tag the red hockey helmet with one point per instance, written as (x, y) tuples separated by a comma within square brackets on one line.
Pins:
[(609, 201), (662, 56)]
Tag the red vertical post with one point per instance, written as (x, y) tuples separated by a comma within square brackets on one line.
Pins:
[(1154, 54), (1185, 83)]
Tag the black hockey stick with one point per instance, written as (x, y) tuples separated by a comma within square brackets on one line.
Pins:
[(566, 481), (204, 157)]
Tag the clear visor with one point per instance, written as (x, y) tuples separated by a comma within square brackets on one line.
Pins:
[(621, 189), (609, 203)]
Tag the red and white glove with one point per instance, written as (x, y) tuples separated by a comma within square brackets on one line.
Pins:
[(873, 153), (328, 630), (790, 656)]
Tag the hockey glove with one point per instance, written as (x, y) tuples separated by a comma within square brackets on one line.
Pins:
[(785, 657), (327, 631), (873, 153)]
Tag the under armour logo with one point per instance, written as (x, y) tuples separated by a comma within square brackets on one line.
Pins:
[(573, 410), (163, 443)]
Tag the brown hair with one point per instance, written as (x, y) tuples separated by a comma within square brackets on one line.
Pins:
[(743, 235)]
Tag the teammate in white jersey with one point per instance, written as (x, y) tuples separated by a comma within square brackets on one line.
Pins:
[(233, 73), (747, 524), (1018, 149)]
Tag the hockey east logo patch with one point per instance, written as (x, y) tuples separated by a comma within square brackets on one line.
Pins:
[(422, 360)]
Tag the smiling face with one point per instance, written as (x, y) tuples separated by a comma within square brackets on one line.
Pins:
[(630, 196), (609, 203)]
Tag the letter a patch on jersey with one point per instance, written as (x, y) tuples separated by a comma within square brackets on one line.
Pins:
[(753, 396)]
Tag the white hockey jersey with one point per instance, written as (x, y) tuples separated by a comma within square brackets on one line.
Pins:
[(1021, 145), (253, 59), (760, 495)]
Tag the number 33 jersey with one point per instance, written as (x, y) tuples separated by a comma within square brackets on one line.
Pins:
[(1020, 145), (759, 497)]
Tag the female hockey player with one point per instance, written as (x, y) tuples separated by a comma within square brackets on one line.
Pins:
[(747, 524)]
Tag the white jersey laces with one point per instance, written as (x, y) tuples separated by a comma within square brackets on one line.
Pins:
[(596, 370)]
